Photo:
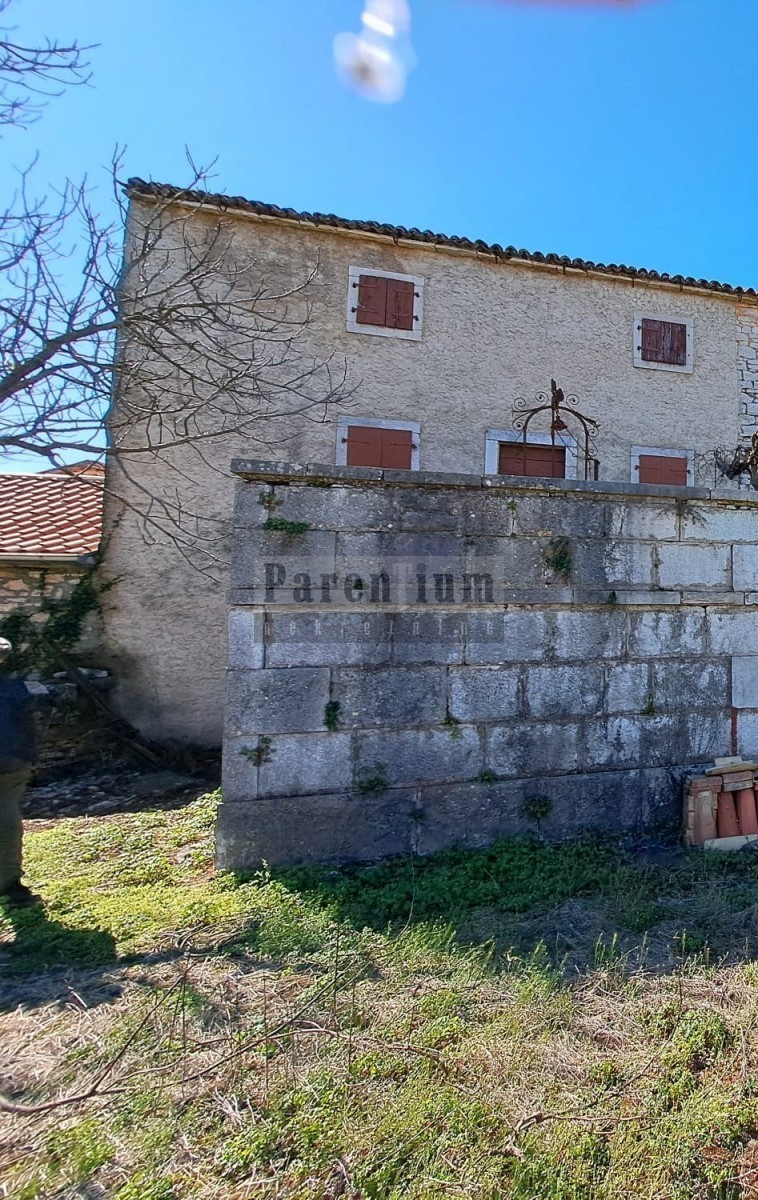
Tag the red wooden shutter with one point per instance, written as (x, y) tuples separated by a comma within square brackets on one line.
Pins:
[(400, 297), (364, 446), (372, 300), (546, 462), (660, 468), (370, 447), (397, 448), (664, 342)]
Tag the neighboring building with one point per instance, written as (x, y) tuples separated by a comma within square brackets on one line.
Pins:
[(49, 523), (440, 336)]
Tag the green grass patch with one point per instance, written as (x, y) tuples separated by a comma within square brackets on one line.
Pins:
[(322, 1033)]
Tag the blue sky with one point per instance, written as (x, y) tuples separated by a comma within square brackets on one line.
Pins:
[(621, 136)]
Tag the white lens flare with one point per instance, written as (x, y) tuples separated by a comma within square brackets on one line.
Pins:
[(376, 62)]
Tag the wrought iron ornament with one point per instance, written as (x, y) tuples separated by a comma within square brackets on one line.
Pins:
[(559, 406)]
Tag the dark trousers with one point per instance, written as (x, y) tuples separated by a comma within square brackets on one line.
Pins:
[(12, 788)]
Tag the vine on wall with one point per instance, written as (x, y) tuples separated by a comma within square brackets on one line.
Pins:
[(41, 635)]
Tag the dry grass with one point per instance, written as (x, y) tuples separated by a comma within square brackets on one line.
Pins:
[(278, 1048)]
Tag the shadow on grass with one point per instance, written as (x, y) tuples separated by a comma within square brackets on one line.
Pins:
[(587, 902), (40, 944)]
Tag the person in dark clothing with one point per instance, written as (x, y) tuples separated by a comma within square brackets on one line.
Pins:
[(17, 753)]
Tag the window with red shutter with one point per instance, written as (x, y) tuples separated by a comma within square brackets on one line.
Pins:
[(662, 344), (663, 468), (544, 462), (375, 446), (385, 304)]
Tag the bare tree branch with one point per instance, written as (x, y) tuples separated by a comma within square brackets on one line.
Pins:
[(30, 75)]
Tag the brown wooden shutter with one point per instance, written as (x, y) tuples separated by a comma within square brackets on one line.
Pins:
[(400, 298), (364, 446), (369, 447), (660, 468), (372, 300), (664, 342), (397, 449), (545, 462)]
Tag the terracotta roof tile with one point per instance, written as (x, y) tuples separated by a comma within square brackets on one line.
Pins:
[(164, 191), (51, 513)]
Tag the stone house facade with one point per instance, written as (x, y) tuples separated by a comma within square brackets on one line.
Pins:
[(438, 337)]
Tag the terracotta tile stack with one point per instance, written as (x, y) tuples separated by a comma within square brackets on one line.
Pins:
[(720, 806)]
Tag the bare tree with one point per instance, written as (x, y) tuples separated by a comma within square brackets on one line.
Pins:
[(30, 75), (155, 347)]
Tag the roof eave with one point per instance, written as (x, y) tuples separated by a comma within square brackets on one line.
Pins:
[(239, 207)]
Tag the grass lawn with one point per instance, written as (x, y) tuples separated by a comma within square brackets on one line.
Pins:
[(530, 1021)]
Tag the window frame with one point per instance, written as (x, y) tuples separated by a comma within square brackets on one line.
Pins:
[(494, 437), (344, 422), (670, 318), (408, 335), (658, 452)]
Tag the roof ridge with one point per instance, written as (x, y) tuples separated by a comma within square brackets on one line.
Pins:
[(166, 191)]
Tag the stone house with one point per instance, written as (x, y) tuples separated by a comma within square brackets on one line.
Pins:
[(49, 524), (440, 336)]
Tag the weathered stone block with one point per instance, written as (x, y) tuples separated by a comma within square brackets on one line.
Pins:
[(431, 637), (532, 749), (518, 635), (245, 639), (745, 567), (709, 596), (688, 564), (690, 684), (239, 771), (745, 681), (732, 632), (649, 597), (657, 635), (327, 638), (412, 756), (390, 697), (719, 523), (417, 553), (589, 635), (706, 735), (483, 693), (747, 734), (272, 567), (643, 521), (628, 687), (337, 508), (470, 814), (614, 742), (564, 691), (613, 564), (560, 516), (664, 740), (302, 763), (277, 700), (513, 563), (336, 828)]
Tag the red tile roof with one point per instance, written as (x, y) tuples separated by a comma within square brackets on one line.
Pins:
[(51, 513)]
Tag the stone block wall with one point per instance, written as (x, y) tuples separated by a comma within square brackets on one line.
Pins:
[(422, 660)]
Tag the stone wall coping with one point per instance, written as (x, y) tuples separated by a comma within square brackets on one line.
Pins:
[(261, 471)]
